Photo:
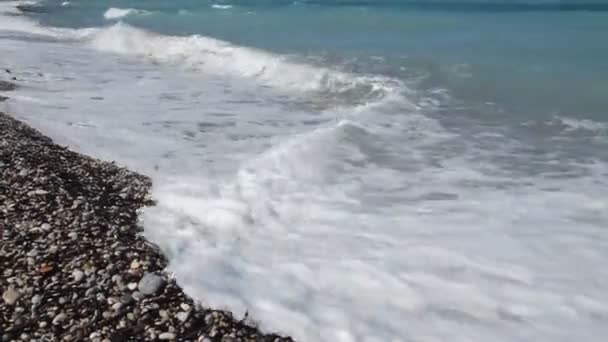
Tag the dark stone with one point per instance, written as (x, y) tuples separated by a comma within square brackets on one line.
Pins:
[(32, 9), (7, 86)]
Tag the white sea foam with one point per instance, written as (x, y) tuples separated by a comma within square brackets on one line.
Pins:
[(219, 6), (65, 4), (119, 13), (574, 124), (211, 55)]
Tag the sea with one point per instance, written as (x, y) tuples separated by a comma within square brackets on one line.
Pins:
[(347, 170)]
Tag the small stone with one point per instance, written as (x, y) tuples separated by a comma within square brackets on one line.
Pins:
[(45, 226), (163, 314), (88, 270), (135, 264), (185, 306), (228, 338), (59, 318), (10, 296), (106, 314), (36, 299), (77, 275), (150, 283), (126, 298), (73, 235), (42, 324), (132, 286), (166, 336), (138, 296), (117, 306), (182, 316)]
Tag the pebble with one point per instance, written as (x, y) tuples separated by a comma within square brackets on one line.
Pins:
[(137, 296), (10, 296), (166, 336), (132, 286), (77, 275), (59, 318), (150, 283), (182, 316), (36, 299)]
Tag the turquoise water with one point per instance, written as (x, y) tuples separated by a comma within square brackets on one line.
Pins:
[(539, 58)]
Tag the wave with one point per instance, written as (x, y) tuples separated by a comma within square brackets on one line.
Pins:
[(214, 56), (118, 13), (208, 55), (573, 124), (218, 6)]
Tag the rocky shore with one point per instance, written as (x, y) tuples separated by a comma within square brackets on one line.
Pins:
[(73, 265)]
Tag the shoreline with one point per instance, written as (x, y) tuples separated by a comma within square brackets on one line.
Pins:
[(74, 264)]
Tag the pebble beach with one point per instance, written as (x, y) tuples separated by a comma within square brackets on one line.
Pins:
[(74, 266)]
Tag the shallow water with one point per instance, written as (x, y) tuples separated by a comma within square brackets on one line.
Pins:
[(348, 173)]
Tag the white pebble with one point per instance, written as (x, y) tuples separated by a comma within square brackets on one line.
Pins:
[(182, 316), (77, 275), (166, 336), (135, 264)]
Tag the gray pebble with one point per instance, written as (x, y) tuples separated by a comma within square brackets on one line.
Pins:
[(137, 296), (59, 318), (150, 283), (36, 299)]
